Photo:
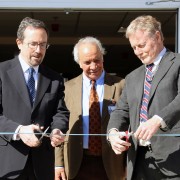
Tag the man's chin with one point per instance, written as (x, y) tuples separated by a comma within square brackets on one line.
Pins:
[(93, 76), (144, 61), (36, 61)]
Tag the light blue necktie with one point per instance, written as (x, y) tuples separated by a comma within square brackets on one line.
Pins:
[(31, 85)]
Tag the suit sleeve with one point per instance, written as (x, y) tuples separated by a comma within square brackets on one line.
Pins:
[(59, 158), (171, 112), (61, 118), (119, 118)]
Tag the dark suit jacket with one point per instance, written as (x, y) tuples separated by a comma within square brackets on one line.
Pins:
[(73, 148), (164, 102), (15, 109)]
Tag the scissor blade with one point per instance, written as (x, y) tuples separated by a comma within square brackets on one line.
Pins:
[(44, 134)]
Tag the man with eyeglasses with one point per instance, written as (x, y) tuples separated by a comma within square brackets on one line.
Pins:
[(31, 105)]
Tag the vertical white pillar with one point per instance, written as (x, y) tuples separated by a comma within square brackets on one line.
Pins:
[(177, 35)]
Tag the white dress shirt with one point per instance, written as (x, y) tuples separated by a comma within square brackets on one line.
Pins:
[(85, 103), (25, 68)]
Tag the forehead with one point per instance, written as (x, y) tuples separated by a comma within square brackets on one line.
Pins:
[(88, 49), (138, 37), (35, 34)]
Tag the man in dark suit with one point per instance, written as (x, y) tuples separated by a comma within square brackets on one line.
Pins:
[(23, 156), (75, 158), (150, 156)]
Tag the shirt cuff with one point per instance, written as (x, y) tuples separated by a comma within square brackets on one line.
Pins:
[(163, 124), (58, 167), (110, 131), (16, 135)]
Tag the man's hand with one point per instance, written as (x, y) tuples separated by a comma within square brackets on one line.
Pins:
[(60, 174), (118, 145), (147, 129), (57, 137), (26, 134)]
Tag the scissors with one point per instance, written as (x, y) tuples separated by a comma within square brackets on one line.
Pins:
[(40, 134), (126, 135)]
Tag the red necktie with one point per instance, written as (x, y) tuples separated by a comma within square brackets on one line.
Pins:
[(94, 122)]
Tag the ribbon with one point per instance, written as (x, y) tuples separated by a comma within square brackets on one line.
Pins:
[(117, 134)]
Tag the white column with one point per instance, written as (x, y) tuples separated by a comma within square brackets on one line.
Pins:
[(177, 43)]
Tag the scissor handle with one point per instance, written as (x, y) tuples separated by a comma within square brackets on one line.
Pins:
[(38, 134), (126, 138)]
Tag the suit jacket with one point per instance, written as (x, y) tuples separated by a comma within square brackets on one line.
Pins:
[(164, 102), (73, 148), (15, 109)]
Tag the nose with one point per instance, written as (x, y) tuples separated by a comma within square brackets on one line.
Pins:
[(137, 51), (93, 65), (38, 48)]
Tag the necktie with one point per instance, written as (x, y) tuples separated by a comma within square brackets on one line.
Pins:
[(147, 88), (31, 85), (94, 122)]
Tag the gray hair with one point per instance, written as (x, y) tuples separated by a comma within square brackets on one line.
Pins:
[(26, 22), (88, 39), (145, 23)]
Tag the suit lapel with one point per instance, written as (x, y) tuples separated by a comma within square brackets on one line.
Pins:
[(164, 66), (43, 83), (139, 85), (109, 90), (138, 91), (17, 77), (77, 91)]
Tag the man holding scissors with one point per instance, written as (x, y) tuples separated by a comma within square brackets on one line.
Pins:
[(149, 105), (31, 101)]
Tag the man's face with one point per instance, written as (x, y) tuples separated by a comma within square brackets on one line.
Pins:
[(91, 60), (32, 53), (146, 47)]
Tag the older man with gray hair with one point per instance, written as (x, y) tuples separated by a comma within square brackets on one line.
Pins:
[(79, 158)]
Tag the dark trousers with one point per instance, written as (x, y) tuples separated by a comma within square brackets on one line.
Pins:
[(27, 173), (92, 168), (146, 168)]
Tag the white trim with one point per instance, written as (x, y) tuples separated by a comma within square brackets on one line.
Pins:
[(177, 45), (88, 4)]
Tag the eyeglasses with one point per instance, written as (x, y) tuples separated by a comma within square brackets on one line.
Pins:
[(34, 45)]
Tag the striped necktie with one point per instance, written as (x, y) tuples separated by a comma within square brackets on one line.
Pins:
[(147, 88), (31, 85)]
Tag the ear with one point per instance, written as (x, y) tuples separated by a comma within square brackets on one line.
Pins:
[(80, 64), (158, 36), (19, 43)]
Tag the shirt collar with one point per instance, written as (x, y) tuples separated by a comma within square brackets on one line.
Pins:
[(99, 81), (159, 57), (25, 66)]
